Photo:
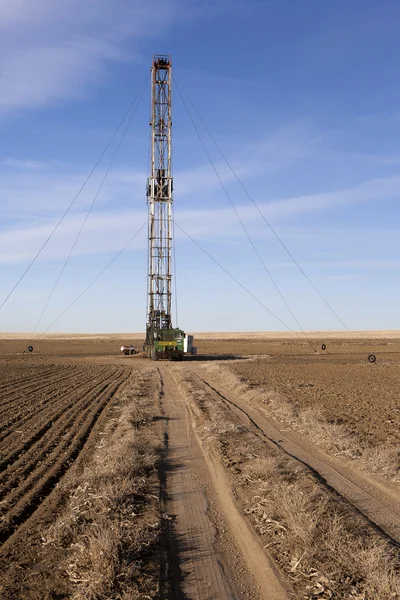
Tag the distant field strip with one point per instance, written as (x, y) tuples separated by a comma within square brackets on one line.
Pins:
[(46, 419)]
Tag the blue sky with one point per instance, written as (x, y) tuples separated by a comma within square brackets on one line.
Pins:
[(303, 98)]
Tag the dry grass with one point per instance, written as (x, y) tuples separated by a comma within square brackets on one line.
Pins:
[(325, 548), (382, 461), (111, 525), (218, 425), (319, 540)]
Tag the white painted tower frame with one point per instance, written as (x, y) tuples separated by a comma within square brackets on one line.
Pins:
[(159, 198)]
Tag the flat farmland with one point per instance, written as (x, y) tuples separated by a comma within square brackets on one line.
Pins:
[(47, 413), (203, 457), (340, 384)]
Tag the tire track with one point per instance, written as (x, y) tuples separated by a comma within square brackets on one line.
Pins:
[(210, 553), (365, 496)]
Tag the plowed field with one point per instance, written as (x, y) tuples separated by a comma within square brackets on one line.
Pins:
[(241, 472), (47, 413), (344, 388)]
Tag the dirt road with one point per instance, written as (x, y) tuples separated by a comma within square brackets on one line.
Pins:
[(378, 502), (212, 551)]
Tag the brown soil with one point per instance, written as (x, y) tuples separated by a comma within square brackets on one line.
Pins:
[(220, 554), (57, 400), (46, 421), (342, 384), (295, 496), (380, 504), (53, 466)]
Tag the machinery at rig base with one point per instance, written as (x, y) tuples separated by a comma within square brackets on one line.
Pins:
[(169, 343), (129, 350), (162, 339)]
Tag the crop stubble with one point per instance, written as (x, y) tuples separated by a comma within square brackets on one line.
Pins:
[(345, 388), (46, 421), (50, 401), (300, 520)]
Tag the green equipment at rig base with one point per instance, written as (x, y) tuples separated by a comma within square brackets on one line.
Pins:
[(171, 343)]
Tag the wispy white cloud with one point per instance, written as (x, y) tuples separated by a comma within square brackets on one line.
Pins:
[(373, 159), (48, 189), (105, 230), (48, 186), (103, 233), (43, 186), (340, 277), (268, 154), (368, 263), (29, 164), (24, 217), (36, 193), (52, 51), (378, 190)]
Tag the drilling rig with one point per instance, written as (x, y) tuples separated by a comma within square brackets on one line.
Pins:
[(162, 339)]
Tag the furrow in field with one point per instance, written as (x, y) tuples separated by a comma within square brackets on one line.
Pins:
[(18, 400), (22, 437), (43, 404), (34, 401), (31, 466), (36, 380), (18, 388), (66, 446), (43, 428), (19, 381)]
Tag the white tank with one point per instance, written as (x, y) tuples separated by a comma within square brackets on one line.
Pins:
[(188, 343)]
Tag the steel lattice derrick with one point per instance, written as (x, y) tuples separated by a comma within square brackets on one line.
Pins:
[(159, 198)]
